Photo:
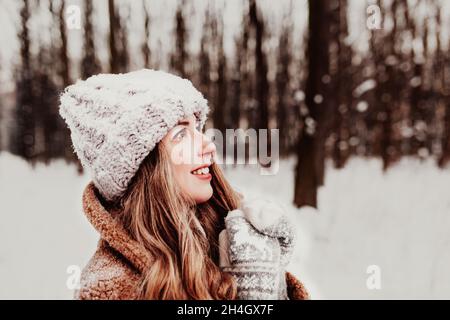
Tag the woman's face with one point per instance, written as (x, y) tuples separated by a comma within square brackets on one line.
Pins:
[(191, 153)]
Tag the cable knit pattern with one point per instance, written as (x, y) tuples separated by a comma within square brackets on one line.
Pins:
[(256, 246), (117, 119), (254, 259), (272, 219), (115, 270)]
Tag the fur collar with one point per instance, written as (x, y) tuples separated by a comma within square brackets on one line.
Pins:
[(113, 232)]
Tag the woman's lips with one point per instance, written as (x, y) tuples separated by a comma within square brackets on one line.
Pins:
[(207, 176)]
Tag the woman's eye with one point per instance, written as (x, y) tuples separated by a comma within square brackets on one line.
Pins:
[(180, 134)]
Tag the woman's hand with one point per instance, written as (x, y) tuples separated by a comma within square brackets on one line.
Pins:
[(271, 219), (256, 246)]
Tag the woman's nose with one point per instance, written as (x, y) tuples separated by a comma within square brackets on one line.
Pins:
[(208, 147)]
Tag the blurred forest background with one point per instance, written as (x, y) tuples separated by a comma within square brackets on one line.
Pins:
[(383, 94)]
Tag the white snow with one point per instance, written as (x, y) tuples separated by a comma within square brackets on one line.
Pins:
[(398, 221), (42, 230)]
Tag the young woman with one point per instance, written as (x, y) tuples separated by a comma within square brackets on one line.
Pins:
[(170, 225)]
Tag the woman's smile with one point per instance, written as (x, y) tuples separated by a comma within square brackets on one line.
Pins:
[(202, 173)]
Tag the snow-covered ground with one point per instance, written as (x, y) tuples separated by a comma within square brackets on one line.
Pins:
[(398, 221)]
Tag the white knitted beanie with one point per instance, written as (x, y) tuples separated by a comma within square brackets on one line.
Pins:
[(117, 119)]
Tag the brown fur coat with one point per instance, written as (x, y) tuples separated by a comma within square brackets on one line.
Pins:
[(114, 270)]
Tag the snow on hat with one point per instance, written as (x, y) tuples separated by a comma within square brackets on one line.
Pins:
[(115, 121)]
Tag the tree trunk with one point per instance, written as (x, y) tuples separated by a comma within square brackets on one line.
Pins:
[(310, 152)]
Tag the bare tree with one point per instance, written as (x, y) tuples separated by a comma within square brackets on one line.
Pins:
[(179, 58), (236, 101), (50, 139), (261, 68), (124, 57), (118, 40), (204, 56), (63, 54), (283, 82), (341, 83), (145, 45), (89, 63), (310, 151), (23, 135), (220, 78), (113, 26)]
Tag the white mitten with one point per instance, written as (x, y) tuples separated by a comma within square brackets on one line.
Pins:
[(271, 219), (256, 246)]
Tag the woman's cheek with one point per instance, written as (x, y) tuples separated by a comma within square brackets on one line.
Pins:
[(182, 153)]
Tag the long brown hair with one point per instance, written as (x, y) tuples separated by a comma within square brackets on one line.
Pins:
[(181, 237)]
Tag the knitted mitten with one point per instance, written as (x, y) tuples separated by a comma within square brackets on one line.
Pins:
[(258, 242), (271, 219)]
